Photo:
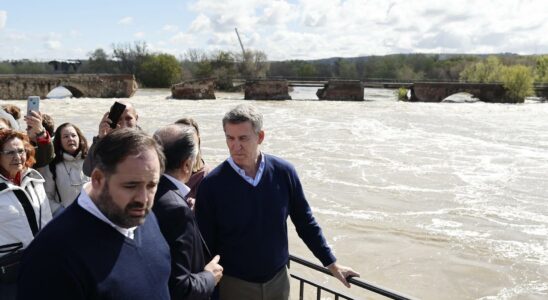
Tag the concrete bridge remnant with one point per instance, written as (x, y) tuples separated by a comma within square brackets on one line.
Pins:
[(80, 85), (437, 91), (194, 90), (344, 90), (266, 89)]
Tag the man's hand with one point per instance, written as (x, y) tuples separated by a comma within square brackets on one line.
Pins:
[(215, 268), (104, 126), (190, 201), (342, 272), (34, 124)]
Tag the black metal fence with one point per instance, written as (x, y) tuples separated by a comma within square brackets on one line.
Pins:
[(337, 295)]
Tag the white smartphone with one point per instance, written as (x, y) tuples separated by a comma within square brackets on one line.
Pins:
[(33, 104)]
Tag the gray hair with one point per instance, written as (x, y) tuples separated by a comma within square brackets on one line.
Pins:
[(179, 144), (244, 113)]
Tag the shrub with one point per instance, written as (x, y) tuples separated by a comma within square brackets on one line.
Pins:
[(402, 94), (160, 71), (518, 80)]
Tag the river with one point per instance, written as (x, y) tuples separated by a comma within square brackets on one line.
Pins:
[(434, 200)]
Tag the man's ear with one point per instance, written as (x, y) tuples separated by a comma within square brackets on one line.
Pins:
[(97, 179), (261, 136), (187, 165)]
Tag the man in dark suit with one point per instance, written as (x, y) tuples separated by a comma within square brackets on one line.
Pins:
[(190, 277)]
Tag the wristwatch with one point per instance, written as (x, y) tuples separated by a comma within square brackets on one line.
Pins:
[(41, 133)]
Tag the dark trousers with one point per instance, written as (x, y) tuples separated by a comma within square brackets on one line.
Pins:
[(277, 288)]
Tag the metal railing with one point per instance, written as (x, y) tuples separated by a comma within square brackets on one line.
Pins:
[(352, 280)]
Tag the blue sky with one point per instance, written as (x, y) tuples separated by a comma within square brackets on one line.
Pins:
[(299, 29)]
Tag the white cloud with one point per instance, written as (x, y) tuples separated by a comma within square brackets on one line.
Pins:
[(170, 28), (183, 39), (16, 36), (125, 21), (311, 29), (53, 45), (3, 18), (74, 33), (201, 23), (278, 13)]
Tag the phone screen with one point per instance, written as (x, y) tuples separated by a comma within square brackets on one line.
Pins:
[(116, 111)]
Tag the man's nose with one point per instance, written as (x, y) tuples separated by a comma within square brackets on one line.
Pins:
[(142, 195)]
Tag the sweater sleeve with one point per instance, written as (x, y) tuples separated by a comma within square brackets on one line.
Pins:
[(50, 278), (44, 154), (205, 215), (307, 228)]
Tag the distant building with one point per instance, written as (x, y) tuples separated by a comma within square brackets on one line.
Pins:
[(65, 66)]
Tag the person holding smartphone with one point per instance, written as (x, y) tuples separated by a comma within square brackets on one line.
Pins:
[(127, 119), (38, 136)]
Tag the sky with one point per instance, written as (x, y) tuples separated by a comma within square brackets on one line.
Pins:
[(283, 29)]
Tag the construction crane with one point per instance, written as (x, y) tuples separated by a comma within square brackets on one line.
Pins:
[(240, 40)]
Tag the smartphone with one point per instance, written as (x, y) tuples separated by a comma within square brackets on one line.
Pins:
[(33, 104), (116, 111)]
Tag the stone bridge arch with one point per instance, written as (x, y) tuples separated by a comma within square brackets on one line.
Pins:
[(74, 89), (80, 85), (437, 91)]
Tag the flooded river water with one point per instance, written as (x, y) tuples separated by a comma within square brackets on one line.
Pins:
[(435, 200)]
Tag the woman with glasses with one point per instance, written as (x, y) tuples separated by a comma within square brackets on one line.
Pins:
[(24, 207), (64, 175)]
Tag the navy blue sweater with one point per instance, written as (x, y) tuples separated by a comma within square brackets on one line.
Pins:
[(247, 225), (78, 256)]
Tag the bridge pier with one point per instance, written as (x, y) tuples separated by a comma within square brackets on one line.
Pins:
[(194, 90), (266, 89), (344, 90), (437, 91), (80, 85)]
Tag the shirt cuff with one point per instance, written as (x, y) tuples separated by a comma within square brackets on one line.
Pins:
[(44, 139)]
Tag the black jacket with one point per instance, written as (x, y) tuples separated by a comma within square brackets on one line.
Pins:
[(188, 279)]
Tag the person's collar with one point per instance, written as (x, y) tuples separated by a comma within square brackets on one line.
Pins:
[(86, 203), (183, 188), (69, 157), (241, 172)]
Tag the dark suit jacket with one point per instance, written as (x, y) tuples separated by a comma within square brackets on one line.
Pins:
[(188, 279)]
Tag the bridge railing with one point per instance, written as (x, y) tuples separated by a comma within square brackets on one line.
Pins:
[(319, 288)]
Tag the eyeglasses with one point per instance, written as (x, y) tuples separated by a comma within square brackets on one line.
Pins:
[(13, 153)]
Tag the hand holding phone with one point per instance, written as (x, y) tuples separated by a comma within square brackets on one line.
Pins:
[(33, 104), (116, 111)]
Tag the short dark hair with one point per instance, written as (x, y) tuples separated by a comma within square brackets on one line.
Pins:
[(58, 146), (244, 113), (49, 125), (13, 110), (121, 143), (178, 143)]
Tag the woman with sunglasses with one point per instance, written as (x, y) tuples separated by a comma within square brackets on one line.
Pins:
[(64, 175), (24, 207)]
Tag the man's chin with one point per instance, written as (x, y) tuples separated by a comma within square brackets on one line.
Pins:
[(133, 222)]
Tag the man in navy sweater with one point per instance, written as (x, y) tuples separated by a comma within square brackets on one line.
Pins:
[(105, 245), (242, 208)]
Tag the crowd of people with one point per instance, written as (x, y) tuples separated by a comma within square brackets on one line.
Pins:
[(139, 216)]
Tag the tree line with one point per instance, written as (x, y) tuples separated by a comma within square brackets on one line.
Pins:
[(159, 70)]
